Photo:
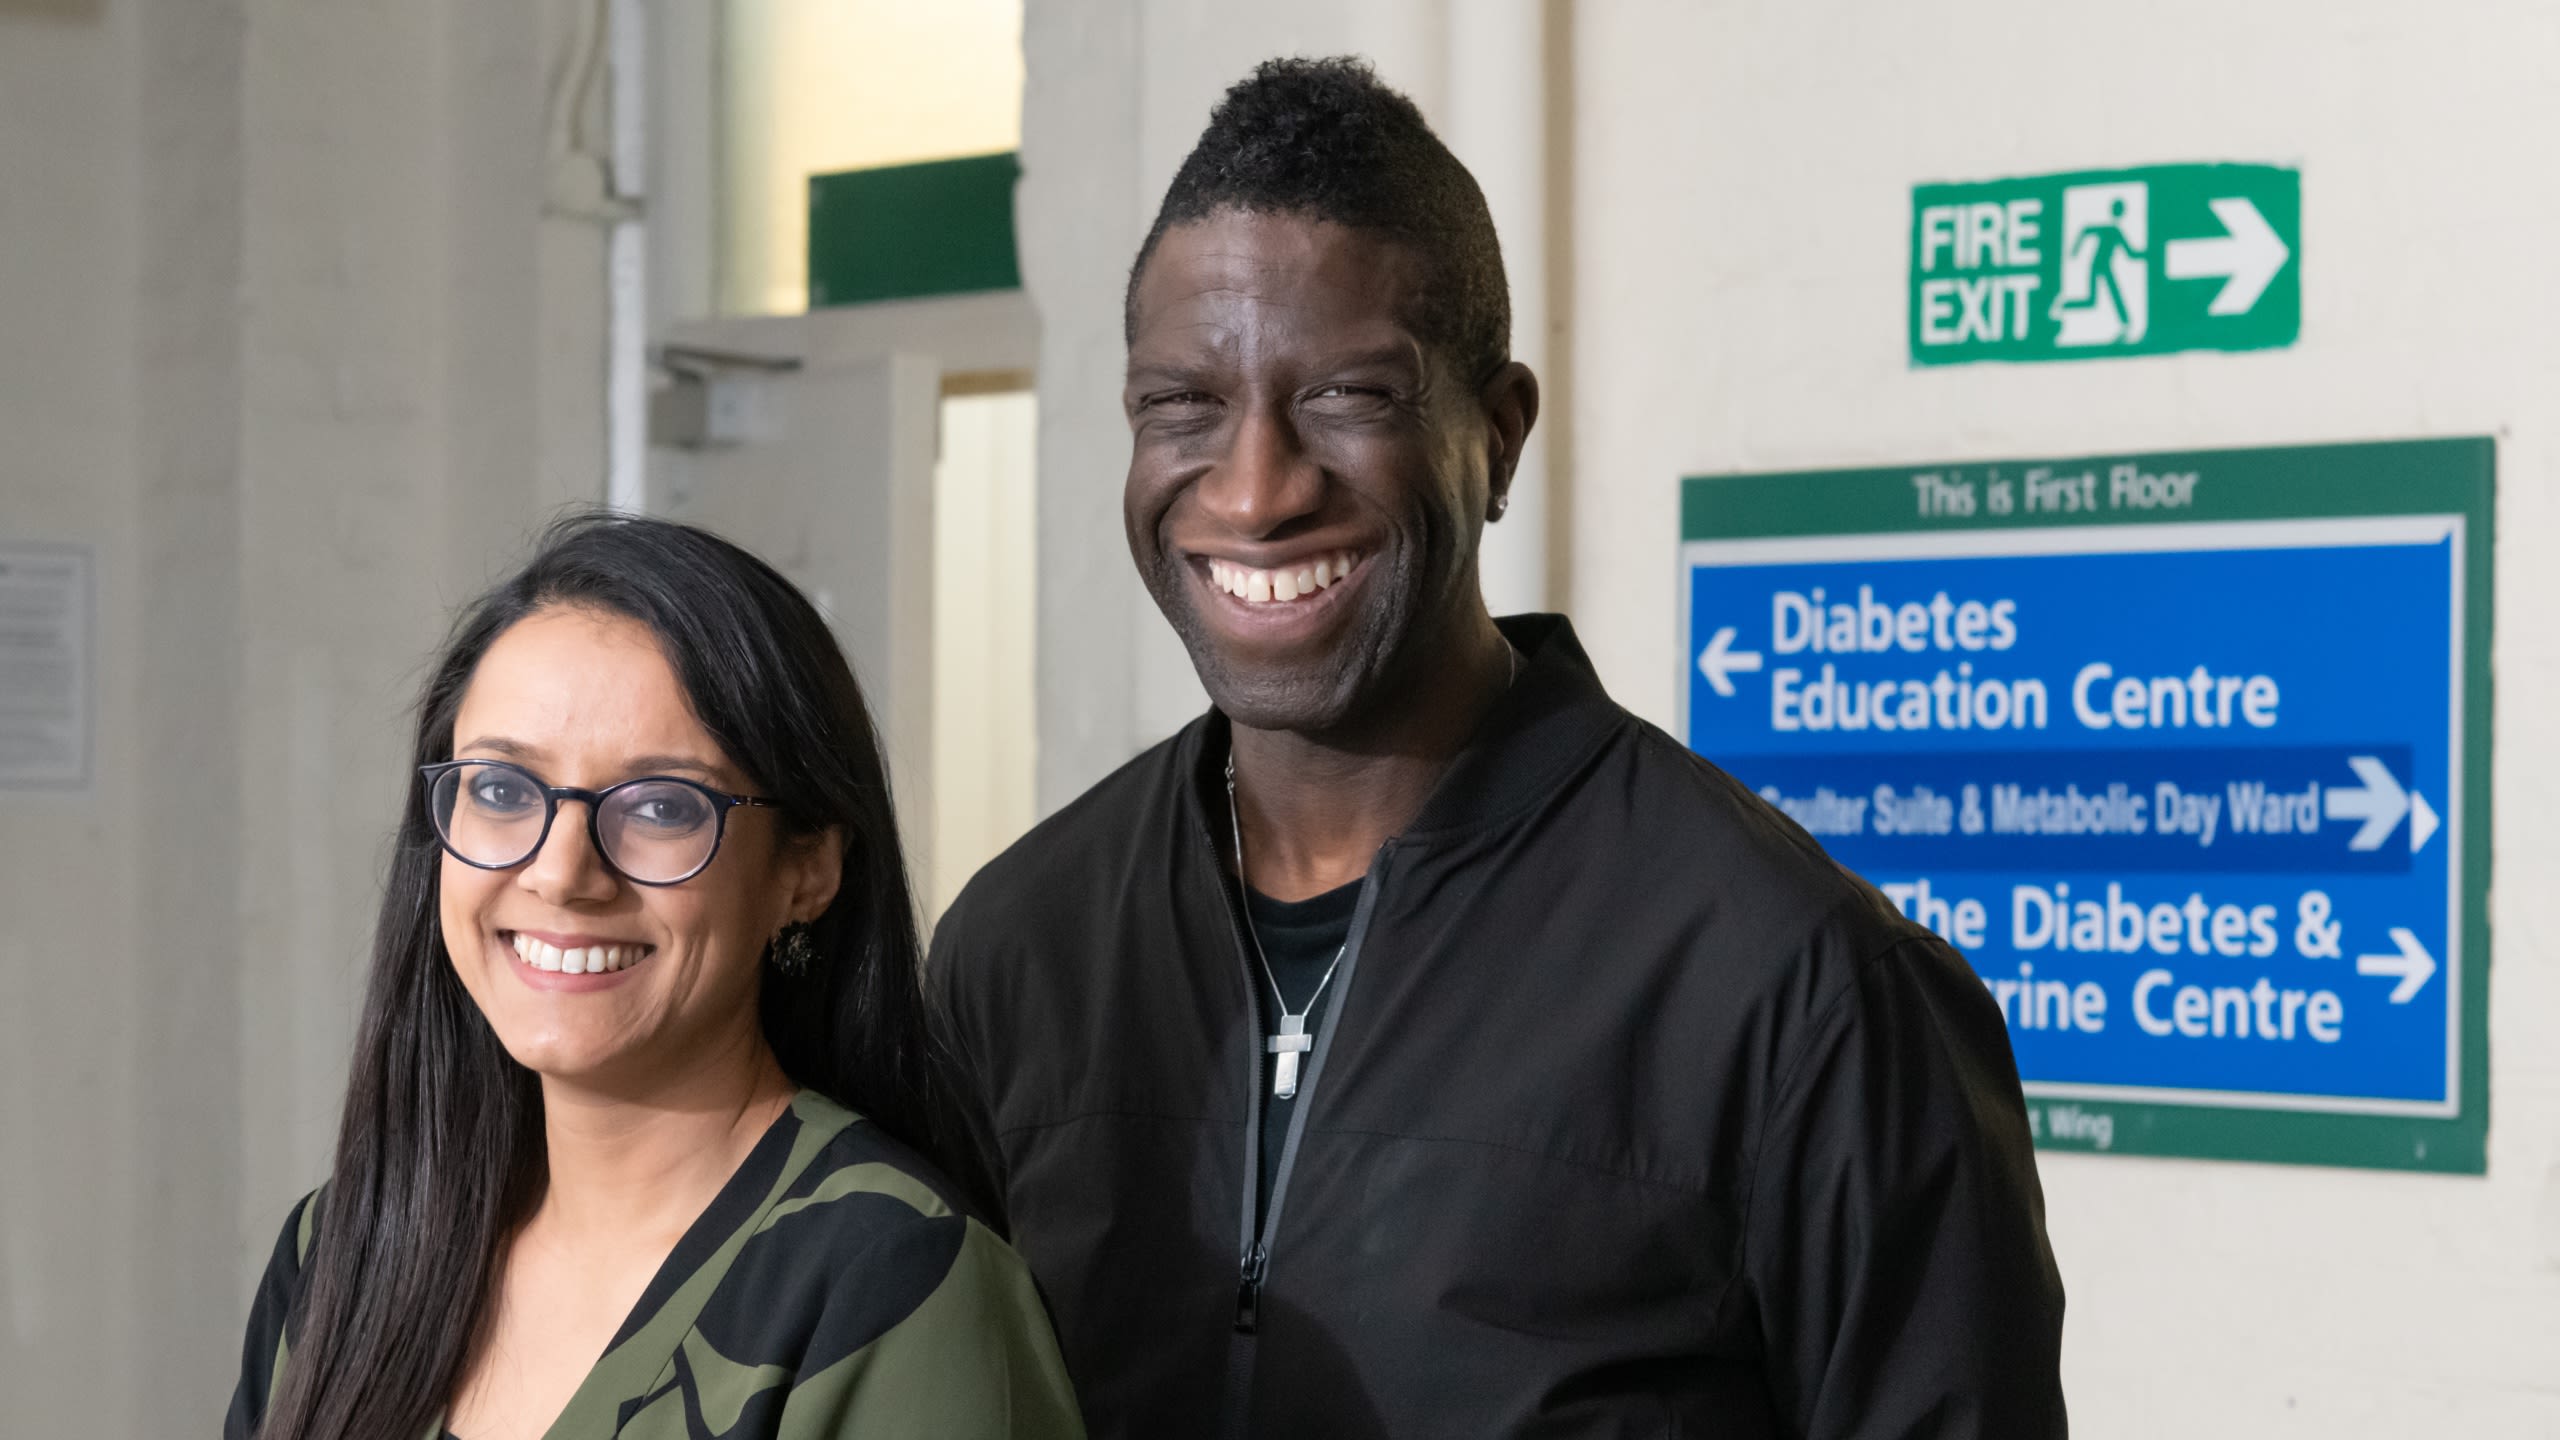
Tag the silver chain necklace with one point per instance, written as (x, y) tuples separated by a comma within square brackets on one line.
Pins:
[(1292, 1039)]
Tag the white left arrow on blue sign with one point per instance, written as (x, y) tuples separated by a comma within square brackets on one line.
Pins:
[(1720, 661)]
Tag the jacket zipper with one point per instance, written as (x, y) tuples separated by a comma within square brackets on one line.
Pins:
[(1255, 1260), (1257, 1263), (1253, 1263)]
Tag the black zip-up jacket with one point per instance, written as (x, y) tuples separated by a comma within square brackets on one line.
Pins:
[(1634, 1115)]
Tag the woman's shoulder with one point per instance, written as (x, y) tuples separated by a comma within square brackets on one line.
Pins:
[(837, 1153), (282, 1279), (851, 1189), (301, 1227), (899, 1312), (262, 1349), (859, 1233)]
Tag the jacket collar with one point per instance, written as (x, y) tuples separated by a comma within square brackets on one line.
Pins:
[(1542, 729)]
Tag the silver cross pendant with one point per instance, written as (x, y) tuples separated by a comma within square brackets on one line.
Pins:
[(1292, 1041)]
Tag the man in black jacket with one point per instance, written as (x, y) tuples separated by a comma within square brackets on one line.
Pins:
[(1418, 1043)]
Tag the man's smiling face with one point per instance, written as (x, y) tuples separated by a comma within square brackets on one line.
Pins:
[(1307, 481)]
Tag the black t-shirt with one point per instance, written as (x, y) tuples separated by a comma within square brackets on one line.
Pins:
[(1300, 939)]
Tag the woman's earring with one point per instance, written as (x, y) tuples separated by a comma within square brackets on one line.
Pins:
[(793, 950), (1500, 503)]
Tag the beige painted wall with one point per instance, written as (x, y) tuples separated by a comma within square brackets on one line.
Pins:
[(296, 350), (70, 970), (1742, 181)]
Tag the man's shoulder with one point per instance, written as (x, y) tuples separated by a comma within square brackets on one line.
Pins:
[(1091, 841), (1739, 858), (1737, 889), (1678, 796)]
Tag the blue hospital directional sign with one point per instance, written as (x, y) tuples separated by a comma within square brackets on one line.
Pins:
[(2187, 754)]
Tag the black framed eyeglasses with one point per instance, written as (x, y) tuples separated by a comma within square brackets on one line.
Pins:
[(651, 830)]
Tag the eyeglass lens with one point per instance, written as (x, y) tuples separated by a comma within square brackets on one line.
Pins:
[(654, 831)]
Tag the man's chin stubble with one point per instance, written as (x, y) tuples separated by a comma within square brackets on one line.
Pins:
[(1311, 700)]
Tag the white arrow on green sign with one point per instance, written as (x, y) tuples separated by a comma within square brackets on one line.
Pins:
[(2103, 263)]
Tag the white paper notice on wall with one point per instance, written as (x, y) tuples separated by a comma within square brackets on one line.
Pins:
[(47, 654)]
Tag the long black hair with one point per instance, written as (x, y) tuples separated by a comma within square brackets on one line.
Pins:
[(440, 1149)]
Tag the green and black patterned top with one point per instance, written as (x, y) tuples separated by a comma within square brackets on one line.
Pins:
[(827, 1292)]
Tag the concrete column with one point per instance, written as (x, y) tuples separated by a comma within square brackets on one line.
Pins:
[(179, 1224), (1497, 124), (1081, 211)]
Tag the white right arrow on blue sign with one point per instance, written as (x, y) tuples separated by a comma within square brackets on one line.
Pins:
[(2411, 963), (2379, 804)]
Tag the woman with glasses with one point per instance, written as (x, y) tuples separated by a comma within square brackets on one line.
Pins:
[(635, 1142)]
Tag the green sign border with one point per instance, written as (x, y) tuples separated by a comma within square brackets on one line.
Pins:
[(2394, 477)]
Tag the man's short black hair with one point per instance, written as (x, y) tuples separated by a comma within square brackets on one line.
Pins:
[(1327, 140)]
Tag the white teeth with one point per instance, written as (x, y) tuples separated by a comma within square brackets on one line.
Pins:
[(1270, 587), (581, 960)]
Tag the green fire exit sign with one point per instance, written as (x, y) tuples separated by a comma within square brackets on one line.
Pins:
[(2102, 263)]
